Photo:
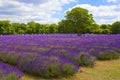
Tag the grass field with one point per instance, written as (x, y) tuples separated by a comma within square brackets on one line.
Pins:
[(103, 70)]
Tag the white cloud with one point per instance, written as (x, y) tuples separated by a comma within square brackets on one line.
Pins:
[(103, 13), (33, 1), (114, 1), (67, 1), (39, 10), (48, 11)]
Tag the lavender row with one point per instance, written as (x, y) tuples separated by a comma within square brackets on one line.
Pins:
[(6, 70), (71, 43)]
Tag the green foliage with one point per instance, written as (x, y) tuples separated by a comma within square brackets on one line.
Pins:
[(103, 26), (65, 53), (10, 58), (5, 27), (117, 50), (78, 20), (42, 50), (30, 28), (108, 55), (66, 26), (13, 59), (4, 57), (81, 19), (12, 76), (105, 29), (24, 60), (92, 50), (53, 28), (53, 70), (95, 28), (68, 69), (115, 28), (19, 28), (84, 59)]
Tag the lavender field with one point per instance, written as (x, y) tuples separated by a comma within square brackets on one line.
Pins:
[(55, 55)]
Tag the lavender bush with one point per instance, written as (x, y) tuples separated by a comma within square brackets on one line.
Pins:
[(8, 72), (108, 55)]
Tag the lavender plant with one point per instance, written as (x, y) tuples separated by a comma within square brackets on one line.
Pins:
[(8, 72)]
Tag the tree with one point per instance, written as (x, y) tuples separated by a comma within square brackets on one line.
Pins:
[(66, 26), (95, 28), (19, 28), (106, 28), (45, 28), (32, 26), (38, 28), (80, 19), (5, 27), (53, 28), (16, 27), (115, 28)]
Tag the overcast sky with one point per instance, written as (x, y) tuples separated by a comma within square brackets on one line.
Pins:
[(52, 11)]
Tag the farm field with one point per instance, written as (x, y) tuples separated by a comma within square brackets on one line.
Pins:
[(59, 40), (61, 55)]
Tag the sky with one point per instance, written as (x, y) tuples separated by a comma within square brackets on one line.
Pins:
[(53, 11)]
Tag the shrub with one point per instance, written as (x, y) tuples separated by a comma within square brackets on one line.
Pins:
[(25, 62), (84, 59), (93, 52), (117, 50), (45, 67), (43, 50), (65, 53), (53, 70), (13, 58), (10, 58), (11, 76), (8, 72), (108, 55), (68, 69), (4, 57)]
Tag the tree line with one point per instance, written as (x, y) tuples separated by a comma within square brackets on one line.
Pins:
[(78, 20), (6, 27)]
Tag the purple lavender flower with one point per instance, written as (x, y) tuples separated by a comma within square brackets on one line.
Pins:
[(6, 70)]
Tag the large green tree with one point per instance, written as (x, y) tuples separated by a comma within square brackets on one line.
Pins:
[(5, 27), (66, 26), (32, 27), (80, 19), (115, 28), (53, 28)]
